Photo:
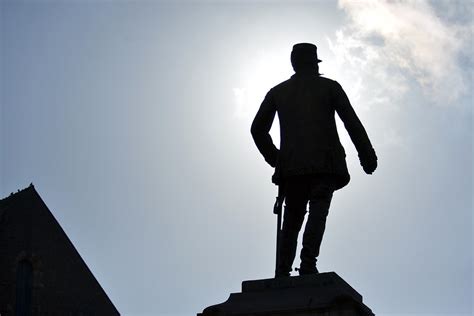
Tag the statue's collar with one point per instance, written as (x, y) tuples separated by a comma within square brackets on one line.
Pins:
[(305, 73)]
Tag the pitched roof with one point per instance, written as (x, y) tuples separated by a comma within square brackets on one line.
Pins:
[(7, 201), (28, 219)]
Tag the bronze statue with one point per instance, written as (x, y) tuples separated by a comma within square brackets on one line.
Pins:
[(310, 164)]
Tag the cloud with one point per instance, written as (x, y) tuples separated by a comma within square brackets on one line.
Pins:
[(396, 41)]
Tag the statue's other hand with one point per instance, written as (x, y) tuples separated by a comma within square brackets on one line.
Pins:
[(369, 162), (370, 168)]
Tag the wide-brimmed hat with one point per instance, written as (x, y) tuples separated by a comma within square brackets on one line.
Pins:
[(304, 53)]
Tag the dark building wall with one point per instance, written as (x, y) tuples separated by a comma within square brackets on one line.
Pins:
[(61, 284)]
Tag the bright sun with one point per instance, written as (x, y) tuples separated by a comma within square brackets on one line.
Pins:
[(266, 70), (259, 75)]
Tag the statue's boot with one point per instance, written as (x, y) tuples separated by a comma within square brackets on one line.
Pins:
[(314, 231), (293, 220), (288, 243)]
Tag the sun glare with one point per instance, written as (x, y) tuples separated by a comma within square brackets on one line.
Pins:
[(259, 75), (266, 70)]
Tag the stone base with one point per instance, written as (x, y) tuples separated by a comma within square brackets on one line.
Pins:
[(311, 295)]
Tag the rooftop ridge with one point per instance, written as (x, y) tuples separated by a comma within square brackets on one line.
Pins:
[(13, 194)]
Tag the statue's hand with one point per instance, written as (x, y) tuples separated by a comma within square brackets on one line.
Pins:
[(369, 162)]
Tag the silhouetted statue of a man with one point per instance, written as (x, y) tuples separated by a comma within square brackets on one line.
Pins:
[(310, 164)]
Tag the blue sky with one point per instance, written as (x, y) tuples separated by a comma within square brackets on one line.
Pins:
[(133, 118)]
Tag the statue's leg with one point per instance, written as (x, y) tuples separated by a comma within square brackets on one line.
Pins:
[(319, 202), (295, 209)]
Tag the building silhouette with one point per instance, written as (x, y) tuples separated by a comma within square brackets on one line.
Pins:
[(41, 272)]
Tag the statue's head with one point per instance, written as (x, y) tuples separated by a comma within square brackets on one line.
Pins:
[(304, 56)]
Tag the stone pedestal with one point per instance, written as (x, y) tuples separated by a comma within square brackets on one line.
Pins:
[(312, 295)]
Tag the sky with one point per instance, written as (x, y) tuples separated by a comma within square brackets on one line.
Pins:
[(132, 119)]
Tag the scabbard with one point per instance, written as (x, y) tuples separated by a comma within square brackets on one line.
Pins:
[(278, 206), (277, 209)]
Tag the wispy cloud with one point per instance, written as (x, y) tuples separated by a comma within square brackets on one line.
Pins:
[(395, 41)]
